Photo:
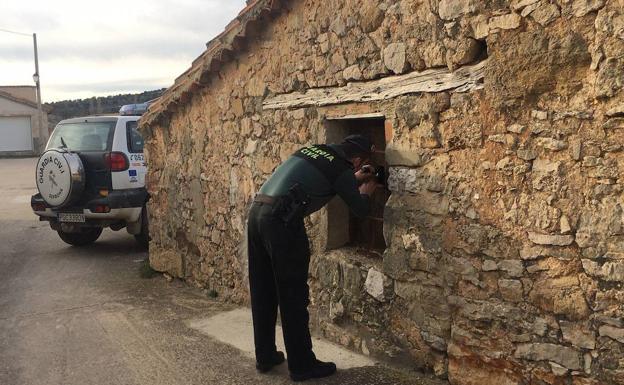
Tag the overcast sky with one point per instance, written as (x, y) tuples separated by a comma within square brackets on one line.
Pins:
[(97, 48)]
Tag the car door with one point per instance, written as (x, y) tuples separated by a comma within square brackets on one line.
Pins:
[(138, 168), (130, 142)]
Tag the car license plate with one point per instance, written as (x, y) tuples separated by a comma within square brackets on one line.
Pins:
[(71, 217)]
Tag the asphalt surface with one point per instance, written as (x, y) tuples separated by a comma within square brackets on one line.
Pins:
[(85, 316)]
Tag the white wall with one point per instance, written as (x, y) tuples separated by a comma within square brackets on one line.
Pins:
[(39, 133), (22, 92)]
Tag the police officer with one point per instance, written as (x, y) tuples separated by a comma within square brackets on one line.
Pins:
[(279, 251)]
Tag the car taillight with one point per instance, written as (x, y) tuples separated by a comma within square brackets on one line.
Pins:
[(38, 207), (116, 161), (102, 209)]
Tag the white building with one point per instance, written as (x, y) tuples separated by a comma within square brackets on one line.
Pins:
[(21, 130)]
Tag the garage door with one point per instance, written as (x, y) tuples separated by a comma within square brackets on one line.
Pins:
[(15, 133)]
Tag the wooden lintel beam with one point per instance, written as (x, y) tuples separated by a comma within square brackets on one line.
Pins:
[(467, 78)]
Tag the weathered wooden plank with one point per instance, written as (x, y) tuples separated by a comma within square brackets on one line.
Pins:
[(464, 79), (358, 116)]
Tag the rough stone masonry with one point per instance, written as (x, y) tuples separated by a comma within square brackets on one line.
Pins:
[(504, 122)]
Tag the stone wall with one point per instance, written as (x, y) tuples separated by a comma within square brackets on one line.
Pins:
[(505, 255)]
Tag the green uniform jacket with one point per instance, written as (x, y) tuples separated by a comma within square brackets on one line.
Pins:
[(296, 170)]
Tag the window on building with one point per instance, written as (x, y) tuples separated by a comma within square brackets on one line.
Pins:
[(344, 229)]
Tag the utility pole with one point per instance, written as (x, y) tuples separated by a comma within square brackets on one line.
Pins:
[(36, 79)]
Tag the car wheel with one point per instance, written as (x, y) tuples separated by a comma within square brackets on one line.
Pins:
[(60, 177), (83, 238), (143, 237)]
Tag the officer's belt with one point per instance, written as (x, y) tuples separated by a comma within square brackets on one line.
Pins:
[(266, 199)]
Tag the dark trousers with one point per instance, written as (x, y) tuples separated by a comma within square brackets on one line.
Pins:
[(279, 258)]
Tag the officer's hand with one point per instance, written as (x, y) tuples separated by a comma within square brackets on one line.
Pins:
[(369, 187), (365, 174)]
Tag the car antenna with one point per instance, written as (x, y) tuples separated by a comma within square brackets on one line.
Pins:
[(63, 142)]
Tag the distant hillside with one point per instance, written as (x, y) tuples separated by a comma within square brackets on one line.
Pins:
[(66, 109)]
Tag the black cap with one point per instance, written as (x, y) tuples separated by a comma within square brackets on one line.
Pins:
[(359, 142)]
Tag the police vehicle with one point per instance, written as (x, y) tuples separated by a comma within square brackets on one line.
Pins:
[(92, 176)]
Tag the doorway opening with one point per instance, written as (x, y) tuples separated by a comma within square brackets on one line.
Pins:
[(343, 228)]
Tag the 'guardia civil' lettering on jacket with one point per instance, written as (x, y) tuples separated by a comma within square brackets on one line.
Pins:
[(314, 152)]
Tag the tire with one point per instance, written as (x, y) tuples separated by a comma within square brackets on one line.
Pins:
[(60, 177), (83, 238), (143, 237)]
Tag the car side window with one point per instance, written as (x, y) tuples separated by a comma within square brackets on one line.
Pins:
[(135, 140)]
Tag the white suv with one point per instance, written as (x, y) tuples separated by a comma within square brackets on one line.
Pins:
[(92, 176)]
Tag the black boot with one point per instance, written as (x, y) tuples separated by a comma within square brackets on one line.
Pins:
[(319, 369), (264, 367)]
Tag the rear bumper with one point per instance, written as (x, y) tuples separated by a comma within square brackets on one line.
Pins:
[(125, 205), (121, 199)]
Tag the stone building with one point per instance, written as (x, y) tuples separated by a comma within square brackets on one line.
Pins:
[(498, 257), (22, 130)]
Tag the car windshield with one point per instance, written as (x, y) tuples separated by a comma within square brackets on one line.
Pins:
[(83, 136)]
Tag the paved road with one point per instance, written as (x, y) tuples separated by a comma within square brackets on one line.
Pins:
[(85, 316)]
